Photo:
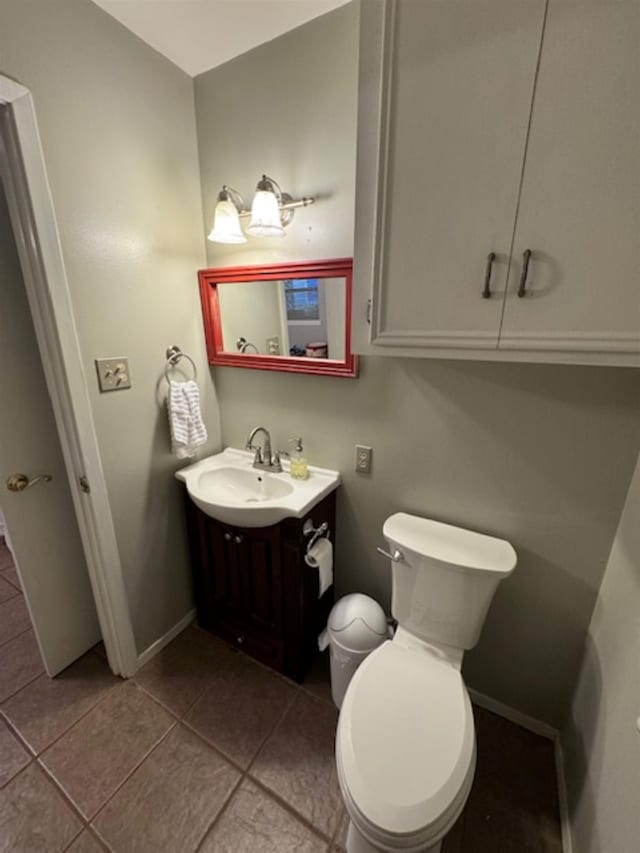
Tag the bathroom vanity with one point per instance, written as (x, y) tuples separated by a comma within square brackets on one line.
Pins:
[(253, 587)]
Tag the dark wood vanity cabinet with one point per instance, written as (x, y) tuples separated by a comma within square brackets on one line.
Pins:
[(254, 589)]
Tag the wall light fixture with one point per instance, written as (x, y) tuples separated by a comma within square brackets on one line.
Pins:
[(271, 211)]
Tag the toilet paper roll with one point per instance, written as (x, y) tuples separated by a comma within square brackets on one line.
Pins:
[(320, 557)]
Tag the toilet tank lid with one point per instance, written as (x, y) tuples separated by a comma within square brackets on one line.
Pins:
[(448, 544)]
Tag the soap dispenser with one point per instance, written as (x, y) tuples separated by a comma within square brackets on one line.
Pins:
[(299, 466)]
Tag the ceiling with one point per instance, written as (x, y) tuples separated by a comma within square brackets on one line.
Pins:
[(197, 35)]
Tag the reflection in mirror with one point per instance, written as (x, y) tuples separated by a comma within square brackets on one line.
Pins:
[(294, 317)]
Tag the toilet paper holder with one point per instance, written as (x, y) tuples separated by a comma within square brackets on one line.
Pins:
[(309, 529)]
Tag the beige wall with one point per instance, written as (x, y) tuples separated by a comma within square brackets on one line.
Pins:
[(540, 454), (117, 127), (287, 108), (602, 742)]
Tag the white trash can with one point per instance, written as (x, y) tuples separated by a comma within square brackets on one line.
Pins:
[(356, 626)]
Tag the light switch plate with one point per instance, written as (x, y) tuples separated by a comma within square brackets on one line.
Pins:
[(273, 346), (363, 459), (113, 373)]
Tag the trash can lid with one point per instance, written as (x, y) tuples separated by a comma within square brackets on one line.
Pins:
[(357, 623)]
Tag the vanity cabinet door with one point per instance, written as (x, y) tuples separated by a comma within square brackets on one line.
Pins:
[(580, 207), (444, 102), (217, 578), (260, 563)]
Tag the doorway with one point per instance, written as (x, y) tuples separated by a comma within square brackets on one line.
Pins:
[(59, 514), (47, 557)]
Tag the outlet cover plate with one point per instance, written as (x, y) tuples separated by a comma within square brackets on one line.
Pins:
[(113, 373), (363, 458)]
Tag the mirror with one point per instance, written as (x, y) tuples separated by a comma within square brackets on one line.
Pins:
[(294, 317)]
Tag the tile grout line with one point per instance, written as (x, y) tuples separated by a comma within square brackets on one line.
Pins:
[(86, 821), (15, 693), (289, 808), (178, 719), (213, 747), (19, 634), (31, 760), (94, 835), (224, 808), (44, 749), (284, 713), (63, 795), (11, 583), (273, 794), (245, 772), (151, 750), (16, 592)]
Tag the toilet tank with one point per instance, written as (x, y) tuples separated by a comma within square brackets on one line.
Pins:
[(444, 578)]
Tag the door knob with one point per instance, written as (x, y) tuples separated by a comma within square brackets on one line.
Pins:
[(20, 482)]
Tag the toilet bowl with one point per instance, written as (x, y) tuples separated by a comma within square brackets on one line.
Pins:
[(405, 743)]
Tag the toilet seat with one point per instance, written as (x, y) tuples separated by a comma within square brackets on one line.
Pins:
[(405, 747)]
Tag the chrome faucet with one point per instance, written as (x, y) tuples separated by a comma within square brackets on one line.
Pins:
[(263, 459)]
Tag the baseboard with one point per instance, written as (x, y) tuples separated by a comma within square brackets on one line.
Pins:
[(563, 800), (518, 717), (163, 641)]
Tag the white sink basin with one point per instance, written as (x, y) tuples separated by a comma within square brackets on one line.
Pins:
[(227, 487)]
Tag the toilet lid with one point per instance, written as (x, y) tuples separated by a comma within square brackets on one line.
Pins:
[(406, 739)]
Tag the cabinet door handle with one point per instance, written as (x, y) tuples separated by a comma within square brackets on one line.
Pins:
[(240, 639), (486, 293), (237, 540), (227, 537), (526, 257)]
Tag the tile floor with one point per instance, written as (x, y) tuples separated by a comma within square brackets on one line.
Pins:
[(205, 750)]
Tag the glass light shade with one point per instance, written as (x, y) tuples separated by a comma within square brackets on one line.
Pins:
[(265, 216), (226, 224)]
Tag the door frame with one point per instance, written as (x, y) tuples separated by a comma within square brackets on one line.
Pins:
[(38, 241)]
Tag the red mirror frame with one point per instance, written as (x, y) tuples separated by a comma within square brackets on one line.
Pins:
[(209, 280)]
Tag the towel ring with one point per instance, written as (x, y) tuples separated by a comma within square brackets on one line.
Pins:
[(174, 355)]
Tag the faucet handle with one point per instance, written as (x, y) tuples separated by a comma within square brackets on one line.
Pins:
[(257, 460)]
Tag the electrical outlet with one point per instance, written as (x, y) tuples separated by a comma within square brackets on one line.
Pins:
[(113, 373), (363, 459)]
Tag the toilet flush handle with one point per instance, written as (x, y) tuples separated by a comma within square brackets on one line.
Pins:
[(396, 557)]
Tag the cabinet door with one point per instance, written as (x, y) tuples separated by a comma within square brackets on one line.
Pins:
[(260, 563), (444, 102), (580, 206), (222, 577)]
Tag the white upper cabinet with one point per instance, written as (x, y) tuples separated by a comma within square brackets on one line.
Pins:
[(499, 126), (579, 211), (456, 79)]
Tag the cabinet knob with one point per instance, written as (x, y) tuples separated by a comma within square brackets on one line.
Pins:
[(227, 537), (240, 639), (237, 540)]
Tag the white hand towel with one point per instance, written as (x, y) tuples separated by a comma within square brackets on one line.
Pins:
[(320, 557), (186, 426)]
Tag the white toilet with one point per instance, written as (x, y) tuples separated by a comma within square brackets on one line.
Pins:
[(405, 745)]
